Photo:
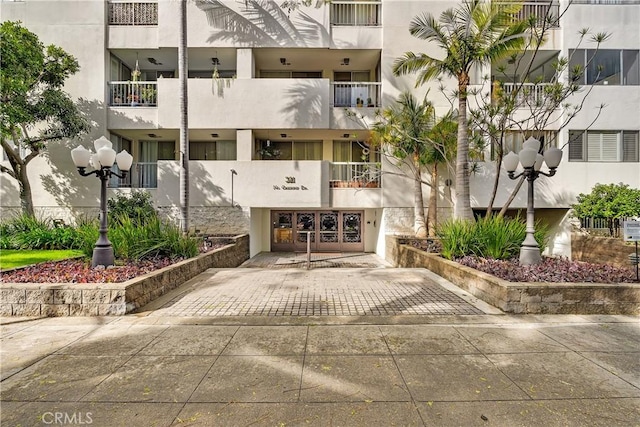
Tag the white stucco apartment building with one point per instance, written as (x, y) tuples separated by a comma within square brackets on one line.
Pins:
[(273, 151)]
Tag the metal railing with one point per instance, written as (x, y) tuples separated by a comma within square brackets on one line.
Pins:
[(356, 13), (133, 94), (617, 2), (133, 13), (355, 174), (358, 94), (141, 175), (548, 11), (529, 94)]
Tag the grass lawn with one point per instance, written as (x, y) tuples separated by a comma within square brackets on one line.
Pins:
[(19, 258)]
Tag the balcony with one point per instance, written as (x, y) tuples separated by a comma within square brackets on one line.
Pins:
[(356, 13), (356, 94), (546, 12), (355, 175), (133, 94), (530, 94), (133, 13), (141, 175)]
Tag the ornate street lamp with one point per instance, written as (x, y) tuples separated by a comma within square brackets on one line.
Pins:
[(531, 160), (102, 162)]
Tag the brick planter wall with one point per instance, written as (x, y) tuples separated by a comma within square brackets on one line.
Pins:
[(569, 298), (113, 299)]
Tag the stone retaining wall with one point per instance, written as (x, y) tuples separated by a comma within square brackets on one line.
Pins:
[(568, 298), (114, 299), (603, 250)]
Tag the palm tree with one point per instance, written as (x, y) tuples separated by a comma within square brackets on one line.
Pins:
[(475, 33), (408, 130), (184, 120)]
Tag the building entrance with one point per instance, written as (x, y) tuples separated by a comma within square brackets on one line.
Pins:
[(328, 231)]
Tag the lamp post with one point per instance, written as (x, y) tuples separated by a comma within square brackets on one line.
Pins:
[(531, 161), (102, 162)]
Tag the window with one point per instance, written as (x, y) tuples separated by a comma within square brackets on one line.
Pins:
[(606, 66), (603, 146), (354, 152), (266, 74), (119, 144), (289, 150), (149, 154), (212, 150)]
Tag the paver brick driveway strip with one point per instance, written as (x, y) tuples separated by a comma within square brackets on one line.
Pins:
[(319, 292)]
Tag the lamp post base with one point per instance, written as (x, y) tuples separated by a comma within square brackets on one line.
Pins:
[(102, 256), (530, 255)]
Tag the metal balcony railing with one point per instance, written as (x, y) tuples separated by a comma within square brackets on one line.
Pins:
[(133, 13), (356, 94), (542, 10), (529, 94), (356, 13), (141, 175), (355, 174), (122, 94)]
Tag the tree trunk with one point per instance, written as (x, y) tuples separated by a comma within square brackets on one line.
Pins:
[(462, 208), (496, 181), (419, 225), (432, 216), (26, 197), (184, 120), (511, 197)]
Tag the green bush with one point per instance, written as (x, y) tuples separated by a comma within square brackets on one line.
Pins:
[(152, 239), (136, 206), (133, 237), (491, 237), (27, 232)]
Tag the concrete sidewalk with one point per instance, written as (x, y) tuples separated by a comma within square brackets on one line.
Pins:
[(438, 370)]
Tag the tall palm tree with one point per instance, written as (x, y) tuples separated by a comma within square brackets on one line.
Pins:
[(184, 120), (406, 130), (475, 33)]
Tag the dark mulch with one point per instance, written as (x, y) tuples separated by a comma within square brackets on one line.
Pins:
[(555, 270), (79, 270)]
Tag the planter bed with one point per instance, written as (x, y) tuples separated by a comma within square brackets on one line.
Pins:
[(114, 299), (521, 297)]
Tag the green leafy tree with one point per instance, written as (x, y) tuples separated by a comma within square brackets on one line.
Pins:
[(475, 33), (410, 133), (609, 201), (34, 110)]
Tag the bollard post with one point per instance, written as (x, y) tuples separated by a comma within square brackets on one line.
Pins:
[(308, 250)]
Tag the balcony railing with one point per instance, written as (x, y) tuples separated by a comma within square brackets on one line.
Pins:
[(529, 94), (359, 94), (354, 174), (124, 94), (548, 11), (141, 175), (133, 13), (356, 13)]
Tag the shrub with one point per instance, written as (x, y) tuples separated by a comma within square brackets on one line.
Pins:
[(137, 206), (27, 232), (154, 238), (490, 237)]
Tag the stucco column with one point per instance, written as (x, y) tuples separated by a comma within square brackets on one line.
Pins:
[(244, 141), (245, 64)]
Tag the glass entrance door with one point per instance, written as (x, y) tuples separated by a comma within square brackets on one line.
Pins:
[(329, 239), (305, 229), (282, 232), (327, 231)]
